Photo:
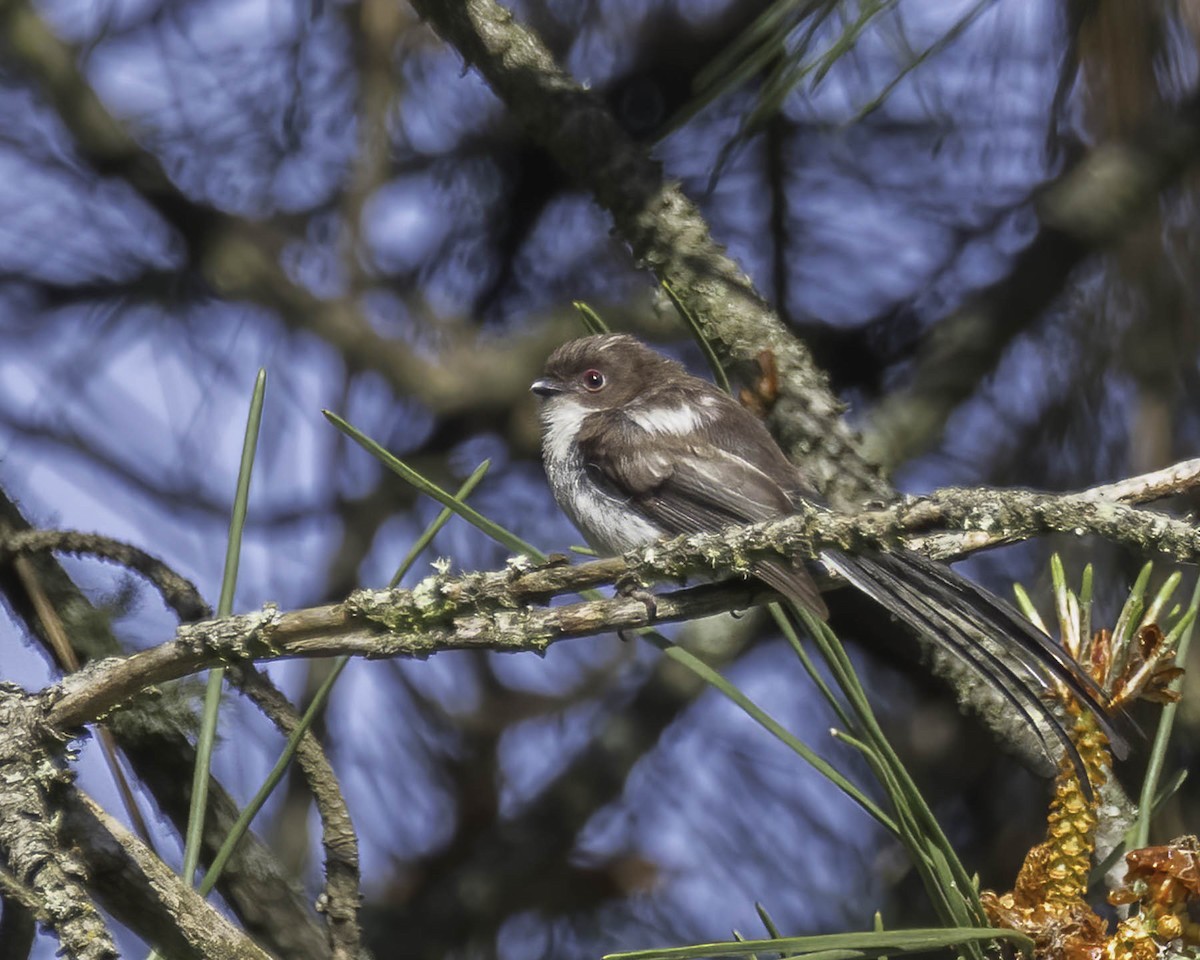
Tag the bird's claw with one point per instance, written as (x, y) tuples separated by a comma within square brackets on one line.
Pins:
[(635, 591)]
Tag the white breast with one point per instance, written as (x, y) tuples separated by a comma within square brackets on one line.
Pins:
[(606, 522)]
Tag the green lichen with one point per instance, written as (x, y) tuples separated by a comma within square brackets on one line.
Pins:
[(737, 560), (403, 611)]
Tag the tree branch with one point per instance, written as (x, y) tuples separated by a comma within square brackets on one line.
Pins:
[(177, 592), (503, 610), (342, 894), (19, 911), (29, 842), (142, 892), (239, 259), (154, 738)]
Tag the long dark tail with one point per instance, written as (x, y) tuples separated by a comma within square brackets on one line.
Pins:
[(957, 614)]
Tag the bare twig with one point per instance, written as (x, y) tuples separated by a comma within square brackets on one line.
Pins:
[(68, 660), (177, 592), (342, 895), (1166, 482)]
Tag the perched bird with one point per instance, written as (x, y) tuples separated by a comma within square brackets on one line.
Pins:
[(636, 449)]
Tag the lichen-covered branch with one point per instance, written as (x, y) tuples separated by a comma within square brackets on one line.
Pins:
[(504, 610), (30, 848), (155, 740), (341, 845)]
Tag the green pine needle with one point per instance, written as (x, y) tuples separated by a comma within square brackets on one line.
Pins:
[(866, 945), (207, 737), (273, 778), (710, 355), (591, 319), (212, 695), (431, 489), (1140, 833)]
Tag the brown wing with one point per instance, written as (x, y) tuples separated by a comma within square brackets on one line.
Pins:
[(682, 485)]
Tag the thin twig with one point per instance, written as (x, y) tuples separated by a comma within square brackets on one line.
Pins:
[(68, 661), (342, 895), (177, 591)]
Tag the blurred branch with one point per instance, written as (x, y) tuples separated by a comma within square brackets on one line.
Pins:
[(1091, 206), (142, 892), (269, 903), (18, 918), (664, 229), (241, 260), (502, 610), (379, 27), (528, 860), (18, 921)]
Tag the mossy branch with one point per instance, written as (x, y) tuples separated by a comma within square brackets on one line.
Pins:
[(506, 610)]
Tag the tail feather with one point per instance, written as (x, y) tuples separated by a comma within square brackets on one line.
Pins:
[(956, 613), (795, 583), (1004, 620), (916, 608)]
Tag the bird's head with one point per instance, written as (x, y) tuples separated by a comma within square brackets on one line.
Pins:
[(602, 372)]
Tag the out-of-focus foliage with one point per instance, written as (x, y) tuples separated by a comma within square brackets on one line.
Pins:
[(191, 189)]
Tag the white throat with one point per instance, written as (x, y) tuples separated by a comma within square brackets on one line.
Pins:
[(562, 418)]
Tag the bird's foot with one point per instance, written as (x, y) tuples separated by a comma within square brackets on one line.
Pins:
[(635, 591)]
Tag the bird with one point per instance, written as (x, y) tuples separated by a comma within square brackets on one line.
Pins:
[(637, 449)]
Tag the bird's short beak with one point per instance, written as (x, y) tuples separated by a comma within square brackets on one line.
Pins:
[(546, 387)]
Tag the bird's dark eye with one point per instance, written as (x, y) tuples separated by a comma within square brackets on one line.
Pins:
[(593, 380)]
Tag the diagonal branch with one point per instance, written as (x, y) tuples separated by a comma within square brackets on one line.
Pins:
[(1091, 206), (154, 739), (665, 231), (141, 891)]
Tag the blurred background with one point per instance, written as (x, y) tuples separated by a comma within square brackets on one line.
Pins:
[(192, 189)]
